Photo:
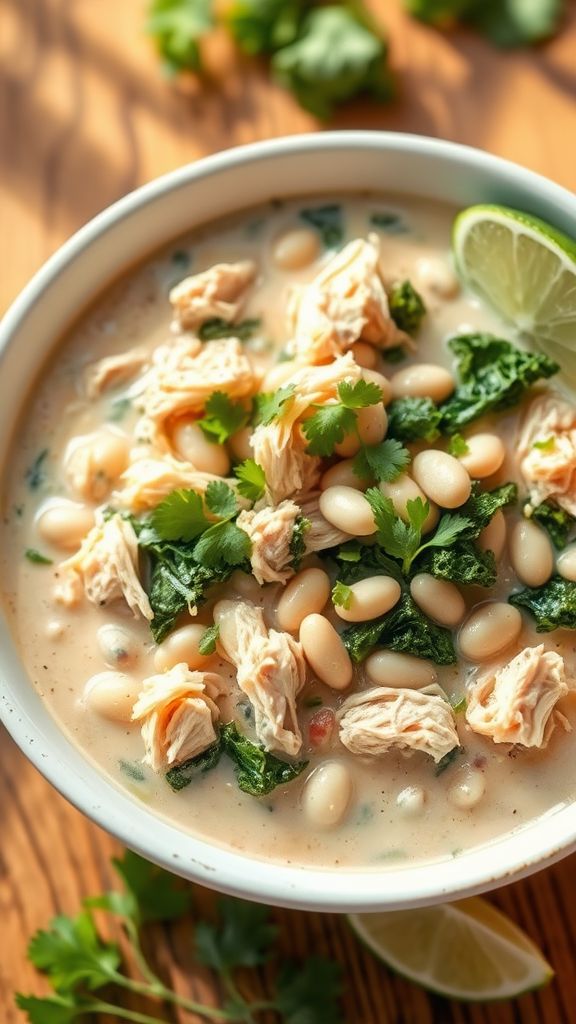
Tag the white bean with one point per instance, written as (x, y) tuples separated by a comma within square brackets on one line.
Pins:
[(325, 652), (389, 668), (305, 594), (485, 455), (465, 793), (566, 563), (375, 377), (493, 537), (364, 354), (370, 598), (411, 800), (239, 444), (65, 524), (442, 478), (404, 489), (117, 646), (531, 553), (296, 248), (371, 426), (348, 510), (327, 794), (93, 462), (488, 630), (422, 380), (112, 695), (439, 599), (435, 274), (181, 646), (342, 474), (192, 445)]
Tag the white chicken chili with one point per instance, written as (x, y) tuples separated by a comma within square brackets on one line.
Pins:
[(286, 541)]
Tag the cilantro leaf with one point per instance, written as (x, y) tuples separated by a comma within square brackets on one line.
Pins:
[(438, 12), (269, 406), (407, 307), (328, 222), (222, 417), (72, 954), (385, 461), (328, 426), (263, 27), (359, 395), (556, 521), (208, 640), (298, 540), (341, 595), (50, 1009), (406, 629), (510, 23), (157, 895), (458, 446), (223, 544), (220, 499), (404, 540), (257, 771), (553, 605), (180, 516), (252, 480), (242, 936), (335, 57), (177, 26), (37, 557), (216, 328), (308, 993), (414, 419)]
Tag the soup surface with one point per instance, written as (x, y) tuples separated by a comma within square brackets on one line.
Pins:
[(269, 456)]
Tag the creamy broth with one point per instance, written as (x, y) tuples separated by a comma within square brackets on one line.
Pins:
[(401, 809)]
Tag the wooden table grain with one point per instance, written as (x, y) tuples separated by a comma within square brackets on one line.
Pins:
[(85, 116)]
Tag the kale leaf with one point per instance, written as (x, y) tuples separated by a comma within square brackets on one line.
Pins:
[(414, 419), (257, 771), (407, 307), (328, 222), (372, 560), (482, 506), (405, 629), (182, 774), (216, 328), (298, 540), (553, 605), (462, 563), (494, 375), (556, 521)]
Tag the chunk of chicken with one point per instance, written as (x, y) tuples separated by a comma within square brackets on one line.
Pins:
[(178, 714), (111, 371), (107, 565), (547, 451), (184, 375), (320, 534), (148, 480), (271, 671), (219, 292), (386, 718), (345, 302), (270, 529), (517, 703), (280, 448)]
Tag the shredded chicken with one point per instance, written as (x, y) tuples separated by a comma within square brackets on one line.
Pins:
[(218, 292), (107, 565), (148, 480), (270, 529), (271, 671), (320, 534), (345, 302), (111, 371), (385, 718), (280, 448), (547, 451), (517, 703), (184, 375), (178, 714)]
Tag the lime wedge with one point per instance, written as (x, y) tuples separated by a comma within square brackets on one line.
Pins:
[(466, 950), (526, 270)]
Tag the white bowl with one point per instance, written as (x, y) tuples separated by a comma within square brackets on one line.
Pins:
[(122, 234)]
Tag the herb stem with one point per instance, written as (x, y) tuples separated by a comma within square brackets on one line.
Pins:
[(120, 1013), (156, 989), (238, 998), (143, 966)]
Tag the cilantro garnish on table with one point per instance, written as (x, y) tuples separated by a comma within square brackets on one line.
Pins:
[(88, 976)]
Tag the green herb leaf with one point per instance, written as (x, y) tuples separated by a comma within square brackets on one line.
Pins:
[(72, 954), (35, 475), (388, 221), (37, 557), (178, 26), (461, 563), (395, 354), (221, 500), (556, 521), (414, 419), (222, 417), (458, 446), (118, 409), (449, 758), (270, 406), (328, 222), (308, 993), (50, 1009), (482, 506), (404, 540), (367, 560), (252, 481), (224, 544), (178, 582), (439, 12), (359, 395), (208, 640), (341, 595), (216, 328), (510, 23), (257, 771), (183, 774), (385, 461), (328, 426), (546, 446), (133, 769), (407, 307), (404, 629), (298, 540), (180, 516), (157, 894), (553, 605), (260, 27), (242, 936), (335, 58)]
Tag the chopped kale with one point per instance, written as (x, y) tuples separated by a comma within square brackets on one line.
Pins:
[(448, 759), (372, 560), (183, 774), (404, 629), (132, 769), (394, 355), (407, 307), (257, 771), (328, 222), (494, 375), (414, 419), (462, 563), (35, 475), (553, 605), (482, 506), (388, 221), (298, 540), (180, 259), (37, 557), (216, 328), (556, 521)]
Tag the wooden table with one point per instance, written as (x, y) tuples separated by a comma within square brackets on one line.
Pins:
[(85, 117)]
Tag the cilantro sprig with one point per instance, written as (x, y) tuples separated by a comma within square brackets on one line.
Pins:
[(86, 972), (403, 540), (222, 417), (328, 426), (182, 517), (251, 480)]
